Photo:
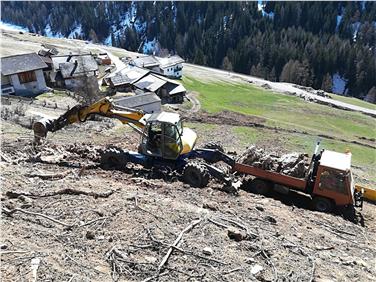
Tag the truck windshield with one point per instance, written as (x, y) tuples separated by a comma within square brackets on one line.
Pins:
[(333, 180)]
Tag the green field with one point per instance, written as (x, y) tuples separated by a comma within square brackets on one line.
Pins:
[(291, 113), (281, 110), (353, 101)]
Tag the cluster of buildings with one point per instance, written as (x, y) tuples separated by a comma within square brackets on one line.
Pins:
[(33, 73), (148, 77)]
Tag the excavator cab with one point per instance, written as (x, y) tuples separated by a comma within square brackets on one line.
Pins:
[(162, 136)]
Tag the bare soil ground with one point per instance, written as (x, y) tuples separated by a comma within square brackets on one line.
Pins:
[(66, 219), (70, 220)]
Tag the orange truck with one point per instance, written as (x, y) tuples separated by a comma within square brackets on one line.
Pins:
[(329, 181)]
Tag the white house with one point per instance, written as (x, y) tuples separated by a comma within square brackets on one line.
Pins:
[(23, 75), (171, 66)]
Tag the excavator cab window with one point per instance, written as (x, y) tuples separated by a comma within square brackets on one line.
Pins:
[(162, 140), (333, 180), (152, 139), (172, 144)]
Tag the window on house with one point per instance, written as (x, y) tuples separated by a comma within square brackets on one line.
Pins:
[(27, 76)]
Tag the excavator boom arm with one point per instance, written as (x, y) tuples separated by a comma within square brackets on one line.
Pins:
[(80, 113)]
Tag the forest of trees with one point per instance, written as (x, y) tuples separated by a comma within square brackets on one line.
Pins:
[(297, 42)]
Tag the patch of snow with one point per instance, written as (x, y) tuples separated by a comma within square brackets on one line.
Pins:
[(140, 27), (149, 46), (133, 11), (225, 21), (339, 83), (339, 19), (12, 27), (261, 7), (48, 32), (77, 31), (108, 41), (355, 28), (363, 4)]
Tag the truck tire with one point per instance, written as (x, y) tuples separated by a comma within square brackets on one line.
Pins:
[(349, 213), (113, 158), (260, 186), (322, 204), (196, 175)]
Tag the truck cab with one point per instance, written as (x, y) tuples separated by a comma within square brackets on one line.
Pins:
[(333, 183)]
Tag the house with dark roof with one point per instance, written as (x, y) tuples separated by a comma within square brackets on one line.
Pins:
[(171, 66), (170, 91), (23, 75), (122, 80), (70, 71), (148, 102)]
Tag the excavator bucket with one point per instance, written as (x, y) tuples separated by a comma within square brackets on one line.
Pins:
[(41, 128)]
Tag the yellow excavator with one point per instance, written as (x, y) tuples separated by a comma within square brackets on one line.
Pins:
[(165, 141)]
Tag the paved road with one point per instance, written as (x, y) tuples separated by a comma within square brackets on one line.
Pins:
[(211, 73)]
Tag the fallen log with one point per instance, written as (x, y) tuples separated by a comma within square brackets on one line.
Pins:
[(65, 191), (11, 212)]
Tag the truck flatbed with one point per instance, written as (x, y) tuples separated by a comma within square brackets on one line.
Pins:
[(272, 176)]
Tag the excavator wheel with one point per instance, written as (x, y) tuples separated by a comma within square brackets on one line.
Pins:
[(196, 174), (260, 186), (113, 159), (322, 204)]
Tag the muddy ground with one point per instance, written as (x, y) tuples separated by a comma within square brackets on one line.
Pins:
[(66, 219)]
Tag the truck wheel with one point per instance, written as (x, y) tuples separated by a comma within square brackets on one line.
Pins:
[(349, 213), (259, 186), (113, 159), (322, 204), (196, 175)]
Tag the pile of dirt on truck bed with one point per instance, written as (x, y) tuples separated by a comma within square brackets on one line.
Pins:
[(293, 164)]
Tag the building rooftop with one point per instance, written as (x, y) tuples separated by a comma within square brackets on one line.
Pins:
[(76, 66), (127, 75), (137, 101), (146, 62), (150, 82), (21, 63), (170, 61)]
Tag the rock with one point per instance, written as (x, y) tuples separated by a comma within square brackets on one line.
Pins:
[(90, 235), (3, 246), (207, 251), (256, 269), (236, 234), (100, 237), (293, 164), (250, 260), (259, 208), (210, 205), (270, 219)]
